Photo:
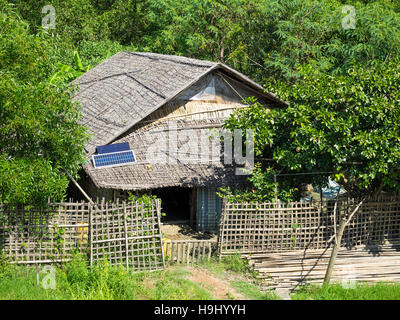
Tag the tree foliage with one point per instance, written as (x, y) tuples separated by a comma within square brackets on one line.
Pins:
[(39, 134), (345, 127), (269, 40), (266, 39)]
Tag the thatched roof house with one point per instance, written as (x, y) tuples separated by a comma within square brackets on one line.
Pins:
[(164, 106)]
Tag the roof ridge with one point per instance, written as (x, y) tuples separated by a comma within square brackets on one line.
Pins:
[(152, 72), (160, 56), (174, 95)]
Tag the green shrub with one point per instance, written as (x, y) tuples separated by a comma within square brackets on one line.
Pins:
[(4, 266), (236, 263)]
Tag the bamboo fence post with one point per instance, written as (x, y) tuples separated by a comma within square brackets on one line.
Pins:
[(178, 252), (188, 253), (126, 238), (158, 213), (194, 253), (91, 234), (37, 274), (221, 229)]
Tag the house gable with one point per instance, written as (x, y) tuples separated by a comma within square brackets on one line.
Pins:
[(128, 87)]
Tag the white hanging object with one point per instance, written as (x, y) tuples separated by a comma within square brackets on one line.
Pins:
[(208, 93)]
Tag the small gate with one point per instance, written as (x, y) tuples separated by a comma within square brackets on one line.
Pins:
[(127, 234), (188, 251)]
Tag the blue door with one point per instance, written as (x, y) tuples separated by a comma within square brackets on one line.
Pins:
[(208, 209)]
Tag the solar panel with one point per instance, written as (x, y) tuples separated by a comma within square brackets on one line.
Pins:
[(116, 147), (113, 159)]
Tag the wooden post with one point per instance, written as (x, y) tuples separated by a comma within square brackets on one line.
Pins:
[(335, 250), (187, 253), (37, 274), (78, 186), (221, 228), (171, 258), (126, 238), (91, 234), (158, 212)]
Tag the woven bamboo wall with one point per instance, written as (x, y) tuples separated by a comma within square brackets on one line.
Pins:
[(269, 227)]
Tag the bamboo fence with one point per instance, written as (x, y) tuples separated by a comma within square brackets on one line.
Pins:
[(189, 252), (127, 234), (277, 227), (122, 233), (30, 235)]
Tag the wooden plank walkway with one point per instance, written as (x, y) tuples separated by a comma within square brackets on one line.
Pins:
[(288, 270)]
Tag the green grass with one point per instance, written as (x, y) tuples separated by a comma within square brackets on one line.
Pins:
[(362, 291), (236, 266), (76, 281), (252, 291), (233, 263)]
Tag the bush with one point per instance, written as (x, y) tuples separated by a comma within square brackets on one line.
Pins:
[(236, 263), (4, 266)]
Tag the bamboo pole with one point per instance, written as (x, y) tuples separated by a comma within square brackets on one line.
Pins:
[(91, 234), (37, 274), (78, 186), (126, 238)]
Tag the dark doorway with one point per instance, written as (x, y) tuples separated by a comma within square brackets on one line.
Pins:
[(175, 203)]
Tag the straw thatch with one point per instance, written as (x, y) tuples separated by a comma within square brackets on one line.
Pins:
[(127, 87), (197, 159), (137, 97)]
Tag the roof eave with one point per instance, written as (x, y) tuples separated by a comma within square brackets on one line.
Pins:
[(255, 85)]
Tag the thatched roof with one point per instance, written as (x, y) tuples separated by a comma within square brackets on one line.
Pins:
[(193, 165), (127, 87)]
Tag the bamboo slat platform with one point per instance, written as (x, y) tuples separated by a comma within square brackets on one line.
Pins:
[(288, 270)]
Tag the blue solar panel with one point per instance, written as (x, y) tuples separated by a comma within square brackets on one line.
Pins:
[(113, 159), (116, 147)]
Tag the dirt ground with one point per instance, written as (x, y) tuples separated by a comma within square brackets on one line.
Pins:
[(220, 288), (184, 232)]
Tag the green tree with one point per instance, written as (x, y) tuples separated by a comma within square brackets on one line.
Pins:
[(76, 20), (66, 74), (267, 39), (345, 127), (39, 134)]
